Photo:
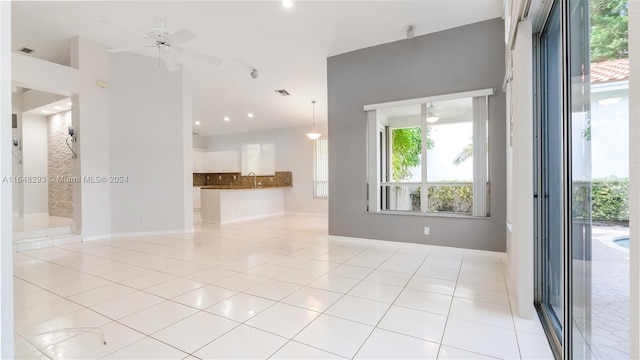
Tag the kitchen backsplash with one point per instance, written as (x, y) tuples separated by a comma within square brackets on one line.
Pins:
[(281, 178)]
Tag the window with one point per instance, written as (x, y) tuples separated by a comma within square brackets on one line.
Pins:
[(321, 169), (436, 146), (259, 158)]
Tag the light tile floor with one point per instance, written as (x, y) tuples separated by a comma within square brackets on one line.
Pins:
[(277, 288)]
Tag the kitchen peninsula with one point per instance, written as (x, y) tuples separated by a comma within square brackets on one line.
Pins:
[(230, 197)]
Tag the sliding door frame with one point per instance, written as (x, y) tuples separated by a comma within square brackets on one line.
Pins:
[(562, 347)]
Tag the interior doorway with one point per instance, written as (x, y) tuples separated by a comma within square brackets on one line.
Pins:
[(43, 155)]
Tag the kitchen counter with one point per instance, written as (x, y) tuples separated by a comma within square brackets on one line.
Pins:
[(228, 204), (234, 187)]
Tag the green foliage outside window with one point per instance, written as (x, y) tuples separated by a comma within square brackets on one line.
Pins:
[(609, 29), (406, 149), (608, 199), (446, 198)]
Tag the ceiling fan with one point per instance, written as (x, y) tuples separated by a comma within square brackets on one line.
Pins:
[(166, 41)]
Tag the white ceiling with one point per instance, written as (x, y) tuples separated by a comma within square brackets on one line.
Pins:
[(52, 108), (289, 47)]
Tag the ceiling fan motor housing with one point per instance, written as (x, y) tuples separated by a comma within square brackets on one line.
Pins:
[(159, 35)]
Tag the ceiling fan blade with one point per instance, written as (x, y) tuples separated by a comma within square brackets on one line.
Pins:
[(170, 61), (129, 49), (180, 36), (199, 56), (122, 27)]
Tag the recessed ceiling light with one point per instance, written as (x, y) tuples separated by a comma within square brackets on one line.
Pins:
[(197, 122), (69, 103), (45, 111), (57, 107), (226, 118), (287, 3), (250, 115)]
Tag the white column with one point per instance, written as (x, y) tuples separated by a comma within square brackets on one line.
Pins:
[(6, 211), (522, 181), (634, 176), (187, 149)]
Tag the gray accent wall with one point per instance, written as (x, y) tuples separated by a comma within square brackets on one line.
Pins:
[(455, 60)]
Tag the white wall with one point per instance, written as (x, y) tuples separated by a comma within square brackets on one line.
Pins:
[(294, 152), (634, 175), (199, 142), (521, 250), (6, 212), (89, 61), (34, 160), (147, 138), (16, 168), (90, 117)]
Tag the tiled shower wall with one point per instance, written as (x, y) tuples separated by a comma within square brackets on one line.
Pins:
[(59, 163)]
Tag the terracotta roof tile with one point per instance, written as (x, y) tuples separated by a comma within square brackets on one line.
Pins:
[(610, 71)]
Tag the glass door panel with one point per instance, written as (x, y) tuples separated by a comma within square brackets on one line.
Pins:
[(551, 158)]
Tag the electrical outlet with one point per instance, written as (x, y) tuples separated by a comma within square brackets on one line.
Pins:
[(219, 177), (426, 230), (234, 177), (207, 177)]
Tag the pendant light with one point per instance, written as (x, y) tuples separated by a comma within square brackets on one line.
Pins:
[(313, 135)]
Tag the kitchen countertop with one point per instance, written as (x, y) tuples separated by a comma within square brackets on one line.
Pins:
[(231, 187)]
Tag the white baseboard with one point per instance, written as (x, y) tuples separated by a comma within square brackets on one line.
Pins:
[(242, 219), (46, 213), (96, 237), (138, 234), (319, 214), (366, 241)]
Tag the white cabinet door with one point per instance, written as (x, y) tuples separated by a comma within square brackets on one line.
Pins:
[(196, 197), (221, 161), (198, 162)]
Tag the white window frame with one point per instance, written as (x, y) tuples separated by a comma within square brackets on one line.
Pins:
[(375, 178), (320, 169)]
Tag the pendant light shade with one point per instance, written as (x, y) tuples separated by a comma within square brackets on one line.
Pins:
[(313, 135)]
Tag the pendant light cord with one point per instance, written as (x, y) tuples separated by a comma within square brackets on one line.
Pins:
[(314, 116)]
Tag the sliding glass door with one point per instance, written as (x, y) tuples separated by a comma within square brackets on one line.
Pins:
[(564, 251), (551, 159)]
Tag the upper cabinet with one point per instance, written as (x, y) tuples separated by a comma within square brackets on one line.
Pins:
[(198, 165), (221, 161)]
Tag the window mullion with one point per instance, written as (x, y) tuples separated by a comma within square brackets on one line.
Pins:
[(373, 201), (480, 114), (424, 198)]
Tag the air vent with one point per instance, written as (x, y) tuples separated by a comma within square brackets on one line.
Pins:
[(26, 50), (282, 92)]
